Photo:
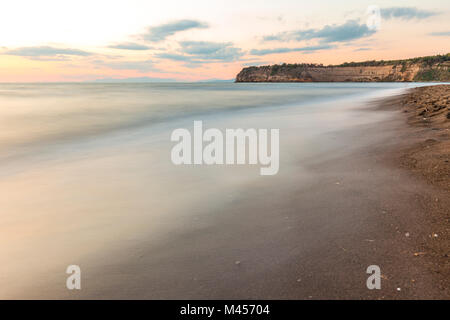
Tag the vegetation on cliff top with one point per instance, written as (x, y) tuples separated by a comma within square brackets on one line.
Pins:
[(429, 60), (426, 61), (431, 68)]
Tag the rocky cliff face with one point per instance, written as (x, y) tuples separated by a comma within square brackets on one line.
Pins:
[(316, 73)]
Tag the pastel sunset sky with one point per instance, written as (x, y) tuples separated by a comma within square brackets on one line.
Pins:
[(51, 40)]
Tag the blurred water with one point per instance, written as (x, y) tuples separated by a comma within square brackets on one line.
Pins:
[(85, 170), (33, 114)]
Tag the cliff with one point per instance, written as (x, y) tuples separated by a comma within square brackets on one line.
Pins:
[(434, 68)]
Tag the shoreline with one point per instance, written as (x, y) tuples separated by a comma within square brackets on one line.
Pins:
[(428, 110), (423, 151), (341, 204)]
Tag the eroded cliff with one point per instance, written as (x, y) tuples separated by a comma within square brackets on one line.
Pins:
[(436, 68)]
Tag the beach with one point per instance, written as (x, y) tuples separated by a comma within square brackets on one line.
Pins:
[(425, 153), (97, 189)]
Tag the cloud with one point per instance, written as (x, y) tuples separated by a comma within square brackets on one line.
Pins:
[(129, 46), (197, 52), (254, 63), (440, 34), (161, 32), (141, 66), (406, 13), (173, 56), (276, 37), (46, 53), (205, 50), (350, 30), (309, 49)]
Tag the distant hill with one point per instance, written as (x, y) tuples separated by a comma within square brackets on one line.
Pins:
[(431, 68), (133, 80), (157, 80)]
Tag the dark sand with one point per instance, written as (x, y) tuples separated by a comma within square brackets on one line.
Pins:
[(366, 204), (369, 206), (425, 152)]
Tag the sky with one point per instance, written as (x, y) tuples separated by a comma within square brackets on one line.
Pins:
[(197, 40)]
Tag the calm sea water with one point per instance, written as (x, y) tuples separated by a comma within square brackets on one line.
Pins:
[(86, 176), (33, 114)]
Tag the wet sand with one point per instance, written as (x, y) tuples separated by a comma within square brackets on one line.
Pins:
[(366, 207), (308, 233), (311, 242), (424, 151)]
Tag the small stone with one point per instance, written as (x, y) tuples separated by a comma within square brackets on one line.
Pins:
[(407, 234), (399, 289), (237, 263), (416, 254)]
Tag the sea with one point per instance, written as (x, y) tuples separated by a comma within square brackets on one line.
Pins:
[(86, 179)]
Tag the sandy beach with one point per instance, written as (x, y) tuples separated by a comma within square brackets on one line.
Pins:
[(347, 196), (424, 151), (225, 158)]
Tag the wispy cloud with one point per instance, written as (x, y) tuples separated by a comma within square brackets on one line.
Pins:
[(309, 49), (440, 34), (161, 32), (129, 46), (350, 30), (203, 52), (254, 63), (46, 53), (406, 13), (362, 49), (173, 56), (141, 66)]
